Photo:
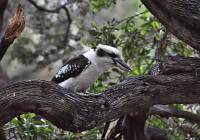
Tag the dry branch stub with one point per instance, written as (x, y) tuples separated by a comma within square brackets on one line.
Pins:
[(13, 30), (15, 26)]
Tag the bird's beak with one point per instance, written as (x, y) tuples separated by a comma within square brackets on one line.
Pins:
[(122, 64)]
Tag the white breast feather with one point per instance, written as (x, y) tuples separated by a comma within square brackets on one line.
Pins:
[(82, 81)]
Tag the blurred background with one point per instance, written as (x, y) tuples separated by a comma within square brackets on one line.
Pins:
[(59, 30)]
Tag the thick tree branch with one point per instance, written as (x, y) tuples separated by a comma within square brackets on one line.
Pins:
[(169, 111), (181, 17), (13, 30), (74, 112)]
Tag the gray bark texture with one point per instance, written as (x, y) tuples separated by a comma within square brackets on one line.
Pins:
[(179, 82), (180, 17)]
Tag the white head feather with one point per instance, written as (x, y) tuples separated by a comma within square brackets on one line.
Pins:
[(108, 49)]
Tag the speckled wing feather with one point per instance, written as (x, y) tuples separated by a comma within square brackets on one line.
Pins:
[(71, 69)]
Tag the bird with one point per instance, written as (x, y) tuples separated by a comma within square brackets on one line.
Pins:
[(80, 72)]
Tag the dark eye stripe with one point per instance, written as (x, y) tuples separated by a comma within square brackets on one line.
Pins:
[(102, 53), (113, 55)]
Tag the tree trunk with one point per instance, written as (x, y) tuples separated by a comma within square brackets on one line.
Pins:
[(180, 17)]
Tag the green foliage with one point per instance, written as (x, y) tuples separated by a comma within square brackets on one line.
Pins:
[(139, 36), (172, 131), (32, 127), (97, 5)]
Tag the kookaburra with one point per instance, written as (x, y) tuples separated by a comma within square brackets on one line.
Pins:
[(81, 72)]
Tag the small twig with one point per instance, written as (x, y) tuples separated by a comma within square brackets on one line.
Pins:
[(55, 10), (66, 38), (128, 18)]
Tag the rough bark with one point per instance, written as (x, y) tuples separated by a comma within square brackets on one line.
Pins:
[(13, 30), (179, 83), (180, 17), (134, 126)]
